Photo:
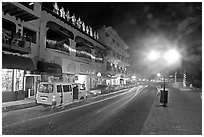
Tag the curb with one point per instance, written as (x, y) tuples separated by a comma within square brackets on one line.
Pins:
[(32, 104), (15, 107)]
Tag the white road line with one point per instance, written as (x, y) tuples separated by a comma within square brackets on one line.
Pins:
[(68, 109), (119, 101)]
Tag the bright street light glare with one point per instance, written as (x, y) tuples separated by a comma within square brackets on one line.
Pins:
[(153, 55), (158, 74), (133, 77), (172, 56)]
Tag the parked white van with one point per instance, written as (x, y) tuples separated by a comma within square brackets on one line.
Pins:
[(58, 93)]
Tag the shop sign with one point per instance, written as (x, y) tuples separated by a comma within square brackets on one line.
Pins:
[(86, 69), (65, 14), (70, 66)]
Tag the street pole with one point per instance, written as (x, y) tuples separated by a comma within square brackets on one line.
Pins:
[(164, 82), (164, 94)]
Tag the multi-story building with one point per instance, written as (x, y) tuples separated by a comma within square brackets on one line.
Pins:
[(117, 56), (41, 44), (73, 48), (20, 45)]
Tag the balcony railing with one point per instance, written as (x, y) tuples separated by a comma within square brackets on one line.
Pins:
[(83, 54), (17, 45), (61, 46)]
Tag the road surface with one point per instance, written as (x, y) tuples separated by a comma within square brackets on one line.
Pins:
[(117, 114)]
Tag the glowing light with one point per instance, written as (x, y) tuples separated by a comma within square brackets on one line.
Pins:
[(31, 3), (172, 56), (98, 74), (53, 43), (133, 77), (153, 55), (158, 74)]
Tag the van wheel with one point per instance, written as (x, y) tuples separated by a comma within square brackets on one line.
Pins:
[(82, 98)]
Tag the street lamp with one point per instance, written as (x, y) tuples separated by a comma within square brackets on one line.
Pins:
[(158, 74), (153, 55), (169, 57)]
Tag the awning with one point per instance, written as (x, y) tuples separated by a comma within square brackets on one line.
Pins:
[(17, 62), (49, 67)]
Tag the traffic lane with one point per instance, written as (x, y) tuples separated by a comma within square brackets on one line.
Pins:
[(27, 113), (101, 113), (112, 119), (37, 111), (43, 124), (130, 120)]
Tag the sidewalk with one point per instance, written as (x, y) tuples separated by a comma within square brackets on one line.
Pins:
[(14, 105), (182, 116)]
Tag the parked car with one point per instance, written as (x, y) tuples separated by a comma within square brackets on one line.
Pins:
[(113, 87), (100, 89)]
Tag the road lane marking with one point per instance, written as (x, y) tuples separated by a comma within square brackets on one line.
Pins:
[(136, 93), (25, 121), (110, 93), (114, 102)]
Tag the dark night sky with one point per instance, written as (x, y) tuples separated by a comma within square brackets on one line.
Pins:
[(138, 22)]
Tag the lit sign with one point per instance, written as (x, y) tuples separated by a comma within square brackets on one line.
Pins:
[(77, 22)]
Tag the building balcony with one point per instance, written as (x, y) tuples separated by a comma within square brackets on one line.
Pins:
[(20, 46)]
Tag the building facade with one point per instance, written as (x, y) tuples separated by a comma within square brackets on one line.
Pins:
[(117, 57), (41, 44), (74, 51), (20, 45)]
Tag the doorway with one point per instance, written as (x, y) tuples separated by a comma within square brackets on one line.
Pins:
[(31, 84)]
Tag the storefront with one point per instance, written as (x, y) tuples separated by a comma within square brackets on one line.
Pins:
[(75, 71), (103, 79), (31, 82), (49, 71), (14, 71)]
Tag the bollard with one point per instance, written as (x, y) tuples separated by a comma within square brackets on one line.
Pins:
[(164, 97)]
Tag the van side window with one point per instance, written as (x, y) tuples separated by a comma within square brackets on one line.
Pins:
[(59, 88), (66, 88)]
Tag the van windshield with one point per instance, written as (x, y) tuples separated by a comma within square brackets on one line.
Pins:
[(45, 88)]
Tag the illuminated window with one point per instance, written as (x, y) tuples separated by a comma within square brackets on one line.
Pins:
[(12, 79), (7, 77)]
